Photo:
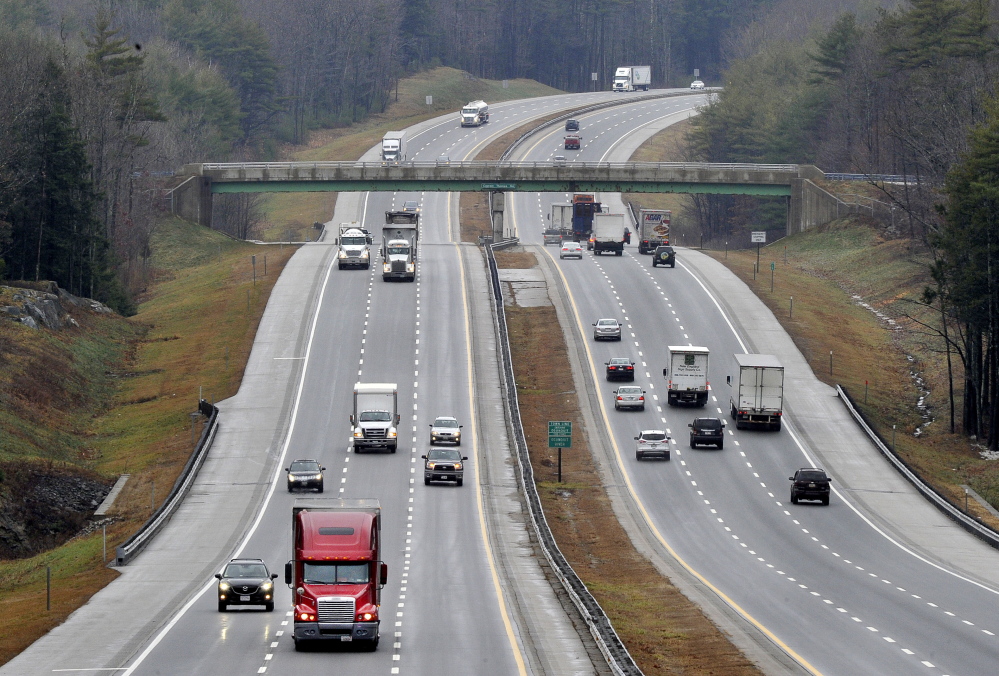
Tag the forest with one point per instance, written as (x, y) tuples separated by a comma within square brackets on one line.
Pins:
[(103, 99)]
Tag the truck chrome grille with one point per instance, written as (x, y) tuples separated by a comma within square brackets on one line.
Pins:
[(379, 433), (336, 609)]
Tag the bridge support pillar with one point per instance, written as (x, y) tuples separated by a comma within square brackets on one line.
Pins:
[(497, 205), (192, 200)]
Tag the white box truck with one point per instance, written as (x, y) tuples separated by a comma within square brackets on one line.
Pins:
[(632, 78), (474, 114), (394, 146), (375, 420), (758, 399), (687, 375), (653, 229), (560, 224), (608, 233)]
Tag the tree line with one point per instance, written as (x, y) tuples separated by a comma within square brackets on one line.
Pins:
[(908, 90)]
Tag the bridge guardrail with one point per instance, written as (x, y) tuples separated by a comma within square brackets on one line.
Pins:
[(126, 551), (482, 164)]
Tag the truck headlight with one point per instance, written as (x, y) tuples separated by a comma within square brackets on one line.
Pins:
[(364, 254), (358, 433), (410, 267), (342, 254), (457, 465), (386, 267), (392, 432)]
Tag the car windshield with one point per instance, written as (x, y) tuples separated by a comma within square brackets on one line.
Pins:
[(334, 573), (444, 422), (653, 436), (629, 390), (375, 416), (398, 250), (304, 466), (811, 476), (245, 570), (442, 454)]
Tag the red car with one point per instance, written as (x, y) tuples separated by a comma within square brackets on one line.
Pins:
[(572, 142)]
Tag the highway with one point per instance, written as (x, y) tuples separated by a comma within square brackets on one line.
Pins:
[(833, 587)]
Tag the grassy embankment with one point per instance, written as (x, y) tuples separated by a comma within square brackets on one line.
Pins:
[(132, 383), (143, 375)]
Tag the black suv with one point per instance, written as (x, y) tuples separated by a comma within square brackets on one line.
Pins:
[(443, 464), (620, 368), (246, 582), (707, 431), (572, 125), (810, 483), (305, 474), (664, 255)]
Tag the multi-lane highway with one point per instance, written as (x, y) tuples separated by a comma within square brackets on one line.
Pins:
[(835, 591)]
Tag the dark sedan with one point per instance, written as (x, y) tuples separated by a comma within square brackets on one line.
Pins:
[(620, 368)]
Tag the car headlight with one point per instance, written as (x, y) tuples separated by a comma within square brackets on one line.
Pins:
[(223, 586), (431, 465), (267, 586), (457, 465)]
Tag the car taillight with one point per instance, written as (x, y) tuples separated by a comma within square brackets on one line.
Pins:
[(620, 398), (642, 398)]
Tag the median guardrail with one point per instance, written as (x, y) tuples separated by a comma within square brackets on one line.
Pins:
[(133, 545), (613, 649)]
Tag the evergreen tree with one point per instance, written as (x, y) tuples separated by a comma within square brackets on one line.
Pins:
[(834, 50)]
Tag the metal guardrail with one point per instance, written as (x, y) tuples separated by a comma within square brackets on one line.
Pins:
[(969, 524), (613, 649), (874, 178), (133, 545), (489, 164)]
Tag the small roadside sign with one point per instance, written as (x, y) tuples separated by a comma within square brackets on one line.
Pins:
[(759, 236), (559, 434)]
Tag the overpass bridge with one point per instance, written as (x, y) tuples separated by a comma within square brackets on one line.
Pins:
[(807, 204)]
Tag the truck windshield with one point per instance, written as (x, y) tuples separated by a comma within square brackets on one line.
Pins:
[(375, 416), (335, 573), (354, 240), (469, 111), (398, 250)]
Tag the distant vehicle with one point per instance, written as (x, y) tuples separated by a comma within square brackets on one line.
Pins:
[(559, 160), (707, 431), (246, 582), (572, 142), (304, 474), (697, 84), (810, 483), (445, 429), (560, 222), (571, 250), (400, 240), (629, 396), (632, 78), (411, 207), (572, 125), (443, 161), (474, 114), (607, 328), (652, 444), (394, 146), (620, 368), (443, 464), (664, 255)]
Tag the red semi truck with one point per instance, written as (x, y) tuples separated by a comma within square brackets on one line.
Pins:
[(336, 575)]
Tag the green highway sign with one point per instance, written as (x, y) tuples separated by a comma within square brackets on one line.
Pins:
[(559, 434), (499, 186)]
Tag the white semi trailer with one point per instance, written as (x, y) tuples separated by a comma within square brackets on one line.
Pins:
[(758, 399)]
